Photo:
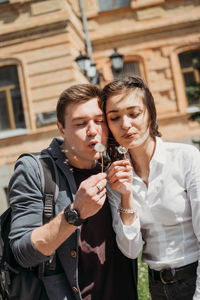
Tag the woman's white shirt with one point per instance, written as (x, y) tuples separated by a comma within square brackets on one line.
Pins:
[(168, 211)]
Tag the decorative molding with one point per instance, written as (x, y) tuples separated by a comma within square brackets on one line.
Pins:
[(150, 13), (19, 1), (135, 4), (27, 34), (41, 8)]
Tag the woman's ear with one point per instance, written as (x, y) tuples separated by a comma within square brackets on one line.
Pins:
[(60, 128)]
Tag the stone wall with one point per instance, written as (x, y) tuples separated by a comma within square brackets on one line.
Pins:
[(154, 32), (42, 38)]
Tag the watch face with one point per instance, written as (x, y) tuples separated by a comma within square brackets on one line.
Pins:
[(72, 216)]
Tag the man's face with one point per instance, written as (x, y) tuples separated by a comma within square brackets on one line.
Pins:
[(84, 127)]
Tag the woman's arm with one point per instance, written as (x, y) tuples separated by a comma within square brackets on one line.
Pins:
[(26, 201), (120, 177), (125, 223)]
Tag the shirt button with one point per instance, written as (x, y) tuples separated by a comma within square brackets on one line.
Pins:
[(75, 289), (73, 253)]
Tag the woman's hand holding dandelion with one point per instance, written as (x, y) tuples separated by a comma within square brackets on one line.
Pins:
[(120, 176)]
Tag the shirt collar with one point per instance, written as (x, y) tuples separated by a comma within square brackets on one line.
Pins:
[(54, 148), (159, 155)]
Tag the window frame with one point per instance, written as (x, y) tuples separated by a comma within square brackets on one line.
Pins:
[(179, 84), (6, 62), (112, 4), (189, 70), (128, 62), (11, 115)]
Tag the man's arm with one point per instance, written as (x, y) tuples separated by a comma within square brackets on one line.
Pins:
[(30, 240), (88, 202)]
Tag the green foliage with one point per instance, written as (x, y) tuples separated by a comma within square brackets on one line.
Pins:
[(196, 63), (193, 92), (195, 117), (143, 286)]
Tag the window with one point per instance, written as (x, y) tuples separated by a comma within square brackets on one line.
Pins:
[(11, 109), (129, 69), (3, 1), (46, 118), (191, 75), (112, 4)]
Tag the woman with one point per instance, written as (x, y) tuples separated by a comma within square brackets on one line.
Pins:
[(159, 200)]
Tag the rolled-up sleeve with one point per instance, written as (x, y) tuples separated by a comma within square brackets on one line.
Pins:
[(26, 201), (129, 238)]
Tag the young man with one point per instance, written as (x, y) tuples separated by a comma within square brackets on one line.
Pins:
[(88, 263)]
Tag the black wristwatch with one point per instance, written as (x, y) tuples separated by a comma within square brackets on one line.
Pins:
[(72, 216)]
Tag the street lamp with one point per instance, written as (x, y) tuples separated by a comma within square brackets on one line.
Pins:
[(91, 72), (117, 61), (88, 67), (83, 61)]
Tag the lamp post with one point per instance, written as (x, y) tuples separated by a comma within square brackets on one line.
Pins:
[(85, 62)]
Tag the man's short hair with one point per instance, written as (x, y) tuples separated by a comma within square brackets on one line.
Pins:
[(75, 94)]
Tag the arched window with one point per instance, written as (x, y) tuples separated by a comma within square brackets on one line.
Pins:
[(191, 75), (112, 4), (129, 69), (11, 108)]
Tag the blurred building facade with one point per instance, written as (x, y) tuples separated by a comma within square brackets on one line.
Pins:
[(40, 39)]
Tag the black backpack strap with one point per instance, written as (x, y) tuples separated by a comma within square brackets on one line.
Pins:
[(50, 190), (50, 184)]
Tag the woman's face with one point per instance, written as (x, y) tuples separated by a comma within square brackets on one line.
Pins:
[(128, 119)]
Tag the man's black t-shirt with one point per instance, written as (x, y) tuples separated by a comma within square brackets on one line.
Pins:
[(104, 272)]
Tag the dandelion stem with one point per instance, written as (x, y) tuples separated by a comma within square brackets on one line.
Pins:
[(101, 162)]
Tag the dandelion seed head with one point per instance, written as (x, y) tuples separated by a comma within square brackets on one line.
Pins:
[(122, 150), (99, 147), (64, 150)]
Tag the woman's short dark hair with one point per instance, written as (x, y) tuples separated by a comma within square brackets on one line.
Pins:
[(75, 94), (129, 85)]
